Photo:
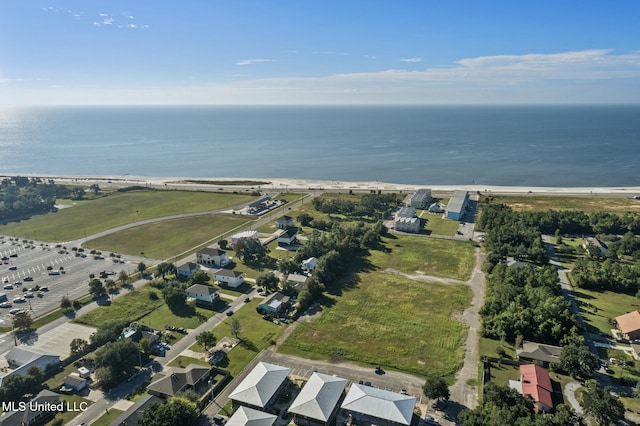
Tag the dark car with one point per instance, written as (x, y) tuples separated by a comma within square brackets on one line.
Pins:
[(229, 313), (246, 300), (219, 420)]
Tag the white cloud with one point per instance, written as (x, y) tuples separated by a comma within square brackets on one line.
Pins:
[(107, 21), (411, 60), (103, 15), (130, 16), (253, 61)]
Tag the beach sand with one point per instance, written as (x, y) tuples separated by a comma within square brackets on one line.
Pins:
[(293, 185)]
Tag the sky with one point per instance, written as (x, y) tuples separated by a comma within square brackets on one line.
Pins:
[(270, 52)]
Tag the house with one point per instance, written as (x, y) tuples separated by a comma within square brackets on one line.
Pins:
[(408, 224), (243, 236), (137, 334), (406, 212), (245, 416), (274, 304), (371, 406), (589, 242), (421, 198), (212, 257), (284, 222), (136, 411), (513, 262), (21, 358), (535, 382), (436, 208), (629, 325), (228, 277), (260, 387), (539, 353), (309, 264), (318, 401), (35, 411), (297, 281), (73, 383), (457, 206), (187, 269), (175, 380), (204, 295), (288, 237)]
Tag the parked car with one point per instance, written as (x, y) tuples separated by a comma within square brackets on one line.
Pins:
[(5, 305), (8, 287), (28, 295)]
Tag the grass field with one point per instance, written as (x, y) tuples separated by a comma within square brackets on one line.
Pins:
[(117, 208), (586, 204), (597, 308), (168, 238), (444, 258), (390, 321), (436, 225), (130, 307)]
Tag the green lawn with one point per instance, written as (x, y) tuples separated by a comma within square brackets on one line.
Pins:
[(444, 258), (115, 209), (169, 238), (436, 225), (585, 204), (597, 308), (387, 320), (188, 317), (131, 307), (107, 418), (66, 417), (183, 361)]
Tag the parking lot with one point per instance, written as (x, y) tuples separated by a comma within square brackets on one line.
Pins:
[(61, 271)]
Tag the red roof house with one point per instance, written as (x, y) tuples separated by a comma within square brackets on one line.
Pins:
[(535, 382)]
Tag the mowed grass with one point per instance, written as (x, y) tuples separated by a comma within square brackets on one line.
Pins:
[(390, 321), (438, 257), (436, 225), (597, 308), (168, 238), (130, 307), (116, 209), (585, 204)]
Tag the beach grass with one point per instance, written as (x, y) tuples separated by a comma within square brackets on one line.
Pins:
[(169, 238), (118, 208), (439, 257), (587, 204), (385, 319)]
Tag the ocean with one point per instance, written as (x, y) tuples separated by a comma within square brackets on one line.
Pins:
[(553, 146)]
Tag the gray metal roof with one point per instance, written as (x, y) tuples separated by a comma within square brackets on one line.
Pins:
[(22, 355), (457, 201), (260, 384), (319, 397), (206, 290), (380, 403), (245, 416)]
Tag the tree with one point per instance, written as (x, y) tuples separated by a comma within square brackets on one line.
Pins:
[(107, 332), (141, 268), (250, 250), (165, 268), (206, 339), (235, 327), (96, 288), (304, 219), (223, 244), (95, 188), (578, 361), (115, 360), (145, 346), (175, 412), (436, 388), (110, 285), (78, 346), (199, 277), (174, 296), (22, 321), (601, 405), (268, 281), (65, 302), (289, 266), (123, 277)]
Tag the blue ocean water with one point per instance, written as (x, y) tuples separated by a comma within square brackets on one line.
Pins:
[(568, 146)]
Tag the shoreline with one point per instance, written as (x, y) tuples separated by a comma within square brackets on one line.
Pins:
[(293, 184)]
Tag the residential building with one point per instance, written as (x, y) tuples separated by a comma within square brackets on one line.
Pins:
[(539, 352), (32, 414), (408, 224), (421, 199), (284, 222), (371, 406), (204, 295), (535, 382), (629, 325), (406, 212), (309, 264), (457, 206), (212, 257), (318, 401), (168, 383), (21, 358), (185, 270), (245, 416), (274, 304), (260, 387), (436, 208), (594, 242), (297, 281), (136, 411), (74, 383), (288, 237), (229, 277), (242, 236)]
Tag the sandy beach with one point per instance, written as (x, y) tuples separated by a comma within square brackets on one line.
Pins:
[(292, 185)]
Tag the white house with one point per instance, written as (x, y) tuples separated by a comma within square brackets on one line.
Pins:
[(284, 222), (378, 406), (212, 257), (202, 293), (229, 277), (317, 403), (185, 270), (297, 280), (288, 237), (74, 383), (309, 264), (260, 387), (242, 236)]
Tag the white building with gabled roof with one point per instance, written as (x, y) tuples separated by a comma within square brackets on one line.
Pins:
[(369, 405), (318, 400), (260, 387), (245, 416)]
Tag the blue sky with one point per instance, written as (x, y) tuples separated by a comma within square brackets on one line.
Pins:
[(319, 52)]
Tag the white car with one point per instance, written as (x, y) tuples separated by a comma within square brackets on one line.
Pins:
[(28, 295), (19, 300), (5, 305)]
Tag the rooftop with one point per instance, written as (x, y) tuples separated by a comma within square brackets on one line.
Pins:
[(319, 397), (629, 322), (260, 384), (380, 403)]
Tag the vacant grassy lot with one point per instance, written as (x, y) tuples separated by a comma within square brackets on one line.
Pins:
[(597, 308), (436, 225), (130, 307), (443, 258), (586, 204), (390, 321), (168, 238), (116, 209)]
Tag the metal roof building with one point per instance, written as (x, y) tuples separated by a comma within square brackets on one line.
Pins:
[(245, 416), (260, 385), (319, 397), (457, 205), (379, 406)]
